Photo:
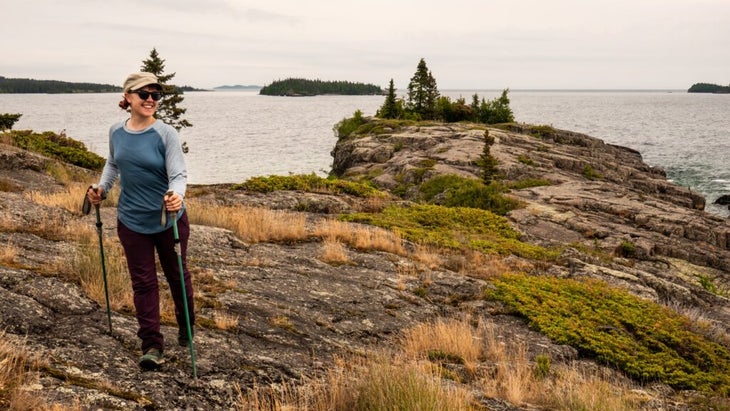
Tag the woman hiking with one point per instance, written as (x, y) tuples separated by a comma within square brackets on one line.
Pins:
[(146, 156)]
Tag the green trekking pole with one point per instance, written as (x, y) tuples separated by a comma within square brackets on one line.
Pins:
[(86, 208), (173, 216)]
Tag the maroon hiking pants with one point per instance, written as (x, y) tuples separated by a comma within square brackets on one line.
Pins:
[(140, 252)]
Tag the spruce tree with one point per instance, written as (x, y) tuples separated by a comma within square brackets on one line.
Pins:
[(167, 108), (422, 93), (389, 109), (487, 161)]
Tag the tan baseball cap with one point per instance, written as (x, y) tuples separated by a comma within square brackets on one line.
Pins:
[(136, 81)]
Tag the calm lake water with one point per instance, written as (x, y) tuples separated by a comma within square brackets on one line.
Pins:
[(240, 134)]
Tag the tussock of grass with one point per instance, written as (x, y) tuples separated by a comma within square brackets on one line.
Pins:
[(8, 253), (70, 198), (252, 224), (378, 383), (450, 339), (333, 252), (647, 341), (454, 228), (86, 267), (18, 368)]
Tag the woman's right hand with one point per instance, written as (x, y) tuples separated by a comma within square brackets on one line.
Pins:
[(94, 194)]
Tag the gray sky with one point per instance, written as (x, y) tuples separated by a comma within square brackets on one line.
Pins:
[(469, 44)]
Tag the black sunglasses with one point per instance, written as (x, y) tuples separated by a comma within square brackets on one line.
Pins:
[(144, 94)]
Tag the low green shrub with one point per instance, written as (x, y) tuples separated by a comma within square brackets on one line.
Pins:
[(590, 173), (526, 160), (58, 146), (309, 183), (454, 227), (647, 341), (346, 126), (456, 191), (528, 183)]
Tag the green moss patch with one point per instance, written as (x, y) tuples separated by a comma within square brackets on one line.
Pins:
[(308, 183), (454, 227)]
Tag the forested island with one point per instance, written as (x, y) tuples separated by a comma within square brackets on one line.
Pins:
[(26, 85), (304, 87), (709, 88)]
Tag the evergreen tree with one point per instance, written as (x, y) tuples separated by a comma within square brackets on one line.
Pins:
[(7, 120), (475, 107), (487, 161), (167, 108), (389, 109), (497, 110), (422, 93)]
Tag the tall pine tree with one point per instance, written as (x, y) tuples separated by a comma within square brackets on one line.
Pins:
[(167, 108), (390, 108), (422, 93)]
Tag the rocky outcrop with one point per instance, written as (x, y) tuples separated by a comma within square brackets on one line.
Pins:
[(600, 196), (295, 313)]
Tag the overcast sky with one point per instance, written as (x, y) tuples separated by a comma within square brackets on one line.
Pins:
[(467, 44)]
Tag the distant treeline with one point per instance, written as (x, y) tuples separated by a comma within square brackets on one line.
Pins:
[(26, 85), (708, 88), (303, 87)]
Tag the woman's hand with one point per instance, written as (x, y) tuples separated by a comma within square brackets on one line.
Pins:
[(173, 202), (95, 194)]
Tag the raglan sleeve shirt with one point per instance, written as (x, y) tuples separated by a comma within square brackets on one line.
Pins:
[(148, 163)]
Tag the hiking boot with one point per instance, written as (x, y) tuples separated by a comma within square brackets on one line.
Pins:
[(182, 337), (151, 360)]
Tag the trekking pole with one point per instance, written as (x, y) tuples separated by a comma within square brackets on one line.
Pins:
[(173, 216), (86, 208)]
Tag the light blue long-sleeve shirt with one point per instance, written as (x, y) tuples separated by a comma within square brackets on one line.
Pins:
[(148, 163)]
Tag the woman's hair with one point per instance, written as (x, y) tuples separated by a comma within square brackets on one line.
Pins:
[(124, 104)]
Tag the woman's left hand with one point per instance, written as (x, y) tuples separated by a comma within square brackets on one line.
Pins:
[(173, 202)]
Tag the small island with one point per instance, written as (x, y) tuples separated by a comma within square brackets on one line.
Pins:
[(237, 87), (295, 87), (709, 88)]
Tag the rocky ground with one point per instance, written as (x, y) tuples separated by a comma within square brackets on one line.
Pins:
[(338, 309)]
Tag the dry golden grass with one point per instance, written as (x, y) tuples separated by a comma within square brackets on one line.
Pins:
[(252, 224), (404, 379), (372, 204), (283, 322), (360, 236), (47, 223), (478, 265), (18, 369), (574, 389), (333, 252), (86, 266), (225, 321), (456, 339), (8, 253), (5, 138), (70, 198), (428, 256), (565, 387), (377, 383)]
